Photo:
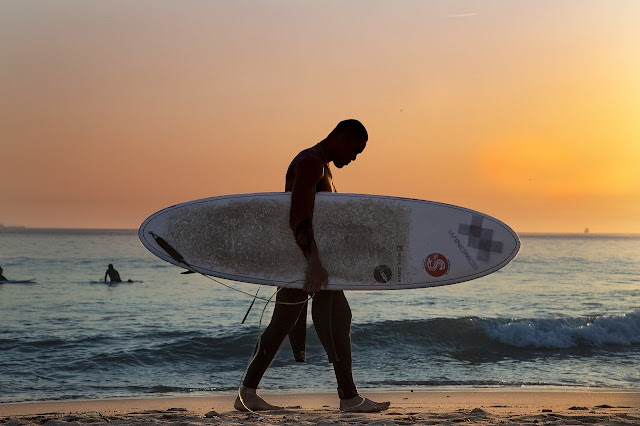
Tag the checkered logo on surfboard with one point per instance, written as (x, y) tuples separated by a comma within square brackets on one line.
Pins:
[(480, 238)]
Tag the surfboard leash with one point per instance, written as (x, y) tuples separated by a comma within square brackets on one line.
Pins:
[(259, 341), (255, 354), (180, 259)]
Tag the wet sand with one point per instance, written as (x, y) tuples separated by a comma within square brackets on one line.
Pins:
[(468, 407)]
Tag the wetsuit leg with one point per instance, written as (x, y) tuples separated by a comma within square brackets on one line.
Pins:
[(283, 320), (332, 320)]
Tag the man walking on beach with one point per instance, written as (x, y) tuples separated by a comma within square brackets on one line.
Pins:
[(307, 174)]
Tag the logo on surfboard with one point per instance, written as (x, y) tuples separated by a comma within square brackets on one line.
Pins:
[(436, 265), (382, 273), (480, 238)]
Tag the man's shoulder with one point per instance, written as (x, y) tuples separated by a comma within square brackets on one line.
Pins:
[(309, 165), (308, 158)]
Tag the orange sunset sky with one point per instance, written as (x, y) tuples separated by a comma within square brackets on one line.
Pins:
[(526, 110)]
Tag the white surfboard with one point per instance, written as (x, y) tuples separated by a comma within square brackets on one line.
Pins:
[(366, 242)]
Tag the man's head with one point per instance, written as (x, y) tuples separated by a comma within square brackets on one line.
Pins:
[(350, 138), (110, 266)]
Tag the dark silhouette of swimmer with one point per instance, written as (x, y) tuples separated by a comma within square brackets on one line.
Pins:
[(2, 277), (114, 276), (308, 174)]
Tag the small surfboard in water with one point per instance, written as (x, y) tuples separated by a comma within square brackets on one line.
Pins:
[(29, 281), (366, 242)]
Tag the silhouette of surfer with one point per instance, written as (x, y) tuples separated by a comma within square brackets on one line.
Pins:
[(307, 174), (2, 277), (113, 274)]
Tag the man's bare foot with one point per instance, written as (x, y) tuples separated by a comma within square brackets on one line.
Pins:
[(252, 401), (360, 404)]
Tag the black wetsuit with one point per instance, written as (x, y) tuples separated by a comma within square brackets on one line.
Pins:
[(331, 318), (113, 275)]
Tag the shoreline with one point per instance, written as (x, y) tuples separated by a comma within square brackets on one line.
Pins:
[(365, 391), (485, 406)]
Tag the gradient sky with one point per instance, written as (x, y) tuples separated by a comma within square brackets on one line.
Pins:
[(527, 111)]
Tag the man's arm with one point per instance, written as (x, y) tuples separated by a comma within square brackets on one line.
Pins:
[(308, 173), (105, 275)]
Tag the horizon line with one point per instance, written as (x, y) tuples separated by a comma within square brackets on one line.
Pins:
[(529, 233)]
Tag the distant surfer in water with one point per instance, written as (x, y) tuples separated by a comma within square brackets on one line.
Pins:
[(114, 276), (307, 174), (2, 277)]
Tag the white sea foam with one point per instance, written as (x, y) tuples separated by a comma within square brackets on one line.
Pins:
[(567, 333)]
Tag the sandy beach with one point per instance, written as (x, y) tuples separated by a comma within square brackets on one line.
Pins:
[(451, 407)]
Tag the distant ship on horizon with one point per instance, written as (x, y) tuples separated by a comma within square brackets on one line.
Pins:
[(586, 230)]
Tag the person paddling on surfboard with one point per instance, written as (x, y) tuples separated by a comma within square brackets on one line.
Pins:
[(2, 277), (113, 274), (307, 174)]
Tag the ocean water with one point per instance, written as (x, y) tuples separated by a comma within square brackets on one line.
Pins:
[(564, 313)]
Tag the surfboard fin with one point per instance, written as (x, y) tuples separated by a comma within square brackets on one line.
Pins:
[(187, 272), (251, 305), (298, 336)]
